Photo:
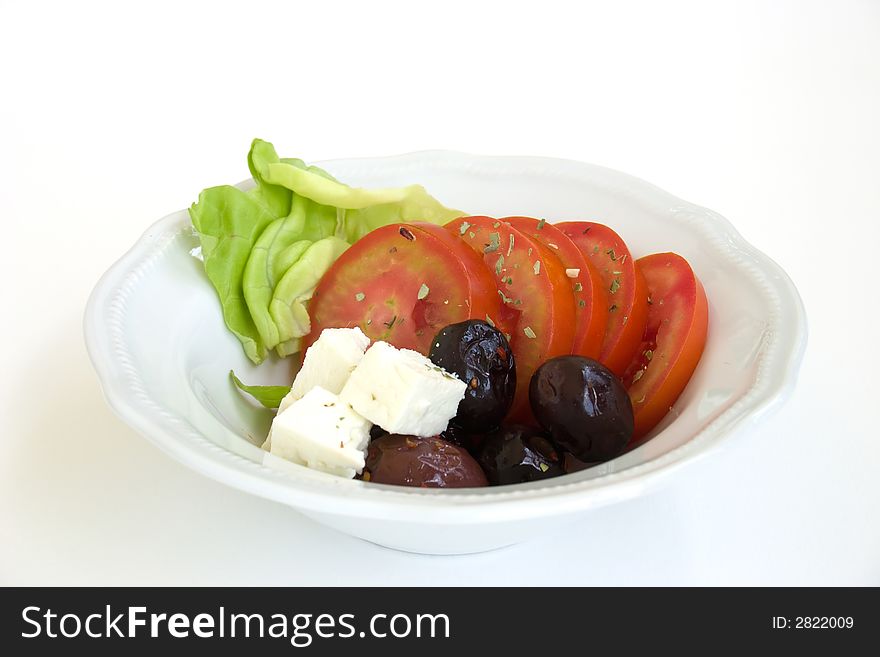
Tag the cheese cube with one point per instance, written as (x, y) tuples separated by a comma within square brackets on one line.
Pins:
[(321, 432), (328, 362), (402, 391)]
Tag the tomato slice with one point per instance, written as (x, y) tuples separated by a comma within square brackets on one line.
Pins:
[(675, 334), (538, 308), (589, 292), (402, 283), (626, 308)]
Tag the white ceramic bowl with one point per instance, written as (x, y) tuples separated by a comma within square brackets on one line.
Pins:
[(157, 340)]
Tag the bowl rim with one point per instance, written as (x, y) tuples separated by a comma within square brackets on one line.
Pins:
[(778, 364)]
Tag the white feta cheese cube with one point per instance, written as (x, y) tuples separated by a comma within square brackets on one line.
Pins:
[(321, 432), (402, 391), (328, 362)]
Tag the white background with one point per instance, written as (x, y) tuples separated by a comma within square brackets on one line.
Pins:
[(113, 116)]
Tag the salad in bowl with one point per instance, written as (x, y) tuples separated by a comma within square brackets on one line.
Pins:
[(433, 348), (442, 352)]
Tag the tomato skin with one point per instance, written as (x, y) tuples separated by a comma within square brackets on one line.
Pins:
[(539, 310), (673, 342), (375, 285), (624, 286), (587, 287)]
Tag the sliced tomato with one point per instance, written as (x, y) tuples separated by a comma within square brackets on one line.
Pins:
[(402, 283), (673, 341), (538, 308), (586, 283), (626, 308)]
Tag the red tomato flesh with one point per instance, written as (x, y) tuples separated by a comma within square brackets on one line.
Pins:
[(673, 341), (402, 283), (589, 292), (538, 308), (626, 307)]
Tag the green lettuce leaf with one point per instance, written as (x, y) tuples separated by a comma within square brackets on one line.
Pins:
[(279, 247), (276, 198), (229, 222), (289, 347), (288, 305), (273, 254), (360, 210), (266, 249), (268, 396)]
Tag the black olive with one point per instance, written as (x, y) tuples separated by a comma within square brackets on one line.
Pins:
[(571, 464), (516, 454), (584, 406), (478, 354), (421, 462), (457, 436)]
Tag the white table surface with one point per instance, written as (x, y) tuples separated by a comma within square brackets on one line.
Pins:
[(112, 117)]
